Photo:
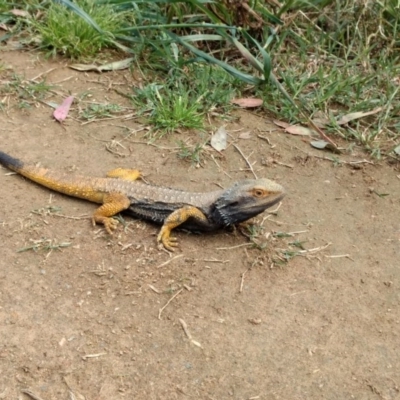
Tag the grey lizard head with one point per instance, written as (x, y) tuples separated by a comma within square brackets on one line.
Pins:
[(246, 199)]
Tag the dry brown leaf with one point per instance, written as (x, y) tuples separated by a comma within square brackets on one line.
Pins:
[(281, 124), (356, 115), (219, 139), (19, 13), (114, 66), (247, 102), (299, 130), (321, 122)]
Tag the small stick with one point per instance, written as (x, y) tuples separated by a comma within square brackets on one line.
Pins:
[(340, 256), (315, 249), (168, 261), (187, 333), (296, 232), (31, 394), (154, 289), (185, 328), (86, 356), (283, 164), (247, 161), (276, 209), (242, 280), (235, 247), (213, 158), (84, 216), (169, 301), (43, 73)]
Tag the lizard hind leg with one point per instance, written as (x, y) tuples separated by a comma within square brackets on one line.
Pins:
[(126, 174), (178, 217), (113, 203)]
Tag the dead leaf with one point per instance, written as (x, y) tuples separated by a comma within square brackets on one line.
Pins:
[(114, 66), (281, 124), (356, 115), (245, 135), (247, 102), (61, 112), (299, 130), (323, 145), (219, 139), (321, 122), (19, 13), (397, 150), (4, 27)]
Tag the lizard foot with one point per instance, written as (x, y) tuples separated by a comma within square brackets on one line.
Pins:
[(167, 241), (110, 224)]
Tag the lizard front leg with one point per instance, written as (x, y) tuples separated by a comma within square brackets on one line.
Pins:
[(126, 174), (113, 203), (175, 219)]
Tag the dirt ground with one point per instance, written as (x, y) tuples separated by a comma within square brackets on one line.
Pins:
[(83, 321)]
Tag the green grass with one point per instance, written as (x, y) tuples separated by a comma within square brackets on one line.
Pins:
[(25, 93), (65, 32), (184, 99), (304, 58), (96, 111)]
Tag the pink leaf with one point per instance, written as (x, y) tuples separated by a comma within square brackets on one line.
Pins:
[(61, 112), (281, 124), (247, 102), (298, 130)]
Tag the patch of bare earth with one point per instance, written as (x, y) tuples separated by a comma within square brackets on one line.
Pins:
[(86, 318)]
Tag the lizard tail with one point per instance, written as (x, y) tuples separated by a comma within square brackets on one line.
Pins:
[(10, 162), (91, 189)]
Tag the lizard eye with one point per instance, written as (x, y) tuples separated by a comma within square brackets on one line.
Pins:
[(258, 193)]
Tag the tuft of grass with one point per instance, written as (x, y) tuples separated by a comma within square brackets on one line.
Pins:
[(185, 98), (25, 92), (94, 111), (169, 108), (65, 32), (192, 153)]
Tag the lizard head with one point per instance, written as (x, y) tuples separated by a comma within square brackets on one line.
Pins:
[(246, 199)]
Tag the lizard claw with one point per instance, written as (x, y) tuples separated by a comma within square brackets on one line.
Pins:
[(110, 224), (167, 241)]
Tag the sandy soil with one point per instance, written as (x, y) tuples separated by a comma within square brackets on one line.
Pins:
[(84, 319)]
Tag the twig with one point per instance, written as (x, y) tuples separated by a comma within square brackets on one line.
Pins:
[(31, 394), (242, 280), (235, 247), (264, 138), (315, 249), (216, 261), (340, 256), (41, 74), (169, 301), (168, 261), (187, 333), (213, 158), (84, 216), (245, 158), (86, 356), (332, 159), (283, 164), (296, 232), (154, 289)]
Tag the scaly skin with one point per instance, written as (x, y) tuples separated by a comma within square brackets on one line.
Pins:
[(120, 191)]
